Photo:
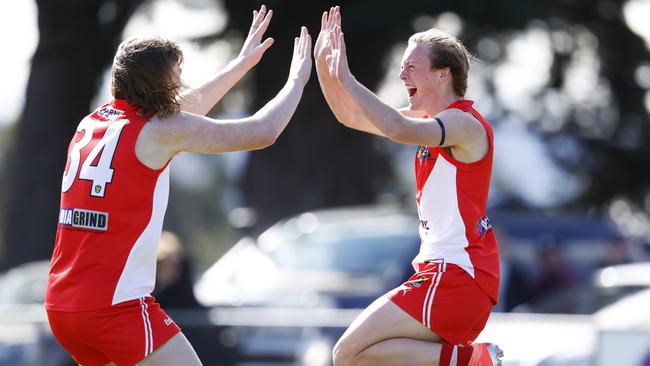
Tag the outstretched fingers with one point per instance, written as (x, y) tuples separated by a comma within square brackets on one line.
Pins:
[(341, 40), (337, 61), (258, 17), (337, 16), (302, 44), (253, 46), (306, 52), (260, 23), (334, 17), (301, 61), (324, 19)]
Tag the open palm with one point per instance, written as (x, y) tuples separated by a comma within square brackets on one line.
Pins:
[(253, 48), (337, 62), (301, 60), (329, 20)]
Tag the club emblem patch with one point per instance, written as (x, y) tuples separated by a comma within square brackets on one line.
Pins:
[(418, 281), (423, 152), (483, 225)]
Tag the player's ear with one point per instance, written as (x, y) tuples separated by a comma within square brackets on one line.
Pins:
[(444, 75)]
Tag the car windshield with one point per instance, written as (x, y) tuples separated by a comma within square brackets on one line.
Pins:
[(356, 246)]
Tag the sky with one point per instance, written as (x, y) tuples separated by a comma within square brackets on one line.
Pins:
[(18, 33)]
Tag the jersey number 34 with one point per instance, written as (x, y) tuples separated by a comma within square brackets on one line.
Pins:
[(98, 171)]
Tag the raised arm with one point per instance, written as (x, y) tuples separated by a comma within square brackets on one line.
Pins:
[(162, 138), (342, 105), (461, 129), (202, 99)]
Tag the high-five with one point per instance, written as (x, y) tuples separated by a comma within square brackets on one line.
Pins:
[(433, 317)]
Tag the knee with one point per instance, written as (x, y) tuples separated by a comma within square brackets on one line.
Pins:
[(342, 354)]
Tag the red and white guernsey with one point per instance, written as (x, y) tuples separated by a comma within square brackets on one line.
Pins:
[(112, 209), (452, 198)]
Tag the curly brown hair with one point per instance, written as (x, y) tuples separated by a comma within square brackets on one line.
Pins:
[(143, 74)]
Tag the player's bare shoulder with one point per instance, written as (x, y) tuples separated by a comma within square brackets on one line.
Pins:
[(470, 139), (468, 129), (157, 141)]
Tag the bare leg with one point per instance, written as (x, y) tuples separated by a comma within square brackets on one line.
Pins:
[(177, 351), (383, 334)]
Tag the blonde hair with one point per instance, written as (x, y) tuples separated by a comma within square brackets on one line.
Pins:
[(446, 51)]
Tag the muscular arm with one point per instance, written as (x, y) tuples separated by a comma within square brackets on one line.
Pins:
[(202, 99), (344, 108), (161, 139), (462, 130)]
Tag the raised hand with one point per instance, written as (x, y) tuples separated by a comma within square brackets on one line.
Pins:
[(253, 49), (337, 61), (301, 61), (329, 20)]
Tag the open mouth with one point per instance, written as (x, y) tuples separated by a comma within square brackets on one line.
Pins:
[(412, 91)]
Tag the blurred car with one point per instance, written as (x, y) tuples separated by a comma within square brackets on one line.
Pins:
[(24, 284), (331, 258), (602, 287), (291, 292), (615, 332), (25, 338), (290, 288)]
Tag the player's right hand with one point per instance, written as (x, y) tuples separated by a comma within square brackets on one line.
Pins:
[(301, 61), (337, 62)]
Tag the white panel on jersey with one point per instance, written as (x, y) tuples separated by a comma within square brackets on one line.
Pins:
[(139, 274), (442, 229)]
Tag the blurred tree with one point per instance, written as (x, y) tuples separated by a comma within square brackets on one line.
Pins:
[(601, 134), (316, 162), (323, 165), (77, 40), (615, 137)]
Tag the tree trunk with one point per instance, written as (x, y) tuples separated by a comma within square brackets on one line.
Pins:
[(77, 40)]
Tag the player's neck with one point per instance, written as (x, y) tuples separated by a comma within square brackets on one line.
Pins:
[(442, 103)]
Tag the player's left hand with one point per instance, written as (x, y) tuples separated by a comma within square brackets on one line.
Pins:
[(329, 20), (253, 49)]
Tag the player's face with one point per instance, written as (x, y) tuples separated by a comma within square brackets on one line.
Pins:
[(420, 80)]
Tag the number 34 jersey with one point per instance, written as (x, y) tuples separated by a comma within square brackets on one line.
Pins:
[(111, 215)]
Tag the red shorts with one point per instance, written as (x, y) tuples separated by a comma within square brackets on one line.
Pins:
[(124, 334), (446, 299)]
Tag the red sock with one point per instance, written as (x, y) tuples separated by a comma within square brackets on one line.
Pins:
[(449, 351)]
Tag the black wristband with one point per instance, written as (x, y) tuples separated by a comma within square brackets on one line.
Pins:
[(442, 131)]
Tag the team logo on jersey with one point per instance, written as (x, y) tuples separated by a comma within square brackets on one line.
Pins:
[(108, 112), (83, 219), (483, 225), (418, 281), (423, 152)]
